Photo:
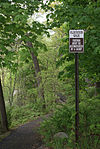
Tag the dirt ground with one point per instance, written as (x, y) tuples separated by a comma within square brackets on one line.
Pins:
[(24, 137)]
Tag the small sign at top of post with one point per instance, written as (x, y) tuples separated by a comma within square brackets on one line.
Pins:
[(76, 41)]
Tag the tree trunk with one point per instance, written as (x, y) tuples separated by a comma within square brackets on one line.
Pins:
[(10, 89), (13, 88), (38, 77), (3, 77), (4, 122), (97, 88)]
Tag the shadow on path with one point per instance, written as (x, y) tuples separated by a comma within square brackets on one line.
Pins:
[(24, 137)]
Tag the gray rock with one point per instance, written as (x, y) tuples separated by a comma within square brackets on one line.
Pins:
[(61, 97), (61, 135), (42, 147)]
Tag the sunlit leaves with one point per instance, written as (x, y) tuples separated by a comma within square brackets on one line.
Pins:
[(80, 14), (16, 30)]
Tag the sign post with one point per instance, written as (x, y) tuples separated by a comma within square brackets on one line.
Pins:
[(76, 97), (76, 45)]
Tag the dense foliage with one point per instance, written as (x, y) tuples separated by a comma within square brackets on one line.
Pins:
[(37, 70), (64, 121), (84, 15)]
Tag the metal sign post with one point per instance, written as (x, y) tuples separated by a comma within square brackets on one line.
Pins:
[(76, 97), (76, 45)]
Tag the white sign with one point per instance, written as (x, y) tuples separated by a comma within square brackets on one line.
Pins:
[(76, 41)]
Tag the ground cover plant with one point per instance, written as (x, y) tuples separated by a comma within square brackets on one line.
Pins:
[(37, 72), (64, 121), (19, 115)]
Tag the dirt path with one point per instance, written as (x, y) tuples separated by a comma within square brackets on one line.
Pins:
[(24, 137)]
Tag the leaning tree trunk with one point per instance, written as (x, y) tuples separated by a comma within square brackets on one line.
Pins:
[(4, 122), (38, 77)]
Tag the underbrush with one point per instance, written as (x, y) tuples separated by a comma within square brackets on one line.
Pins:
[(64, 121), (19, 115)]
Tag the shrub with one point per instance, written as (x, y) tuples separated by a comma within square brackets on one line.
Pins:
[(61, 121), (19, 115), (64, 120)]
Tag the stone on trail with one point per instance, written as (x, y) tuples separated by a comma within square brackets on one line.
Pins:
[(61, 135), (43, 147)]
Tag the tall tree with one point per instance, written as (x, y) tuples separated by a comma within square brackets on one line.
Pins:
[(38, 76), (3, 110), (14, 26), (80, 14)]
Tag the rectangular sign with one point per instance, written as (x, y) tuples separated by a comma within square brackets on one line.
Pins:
[(76, 41)]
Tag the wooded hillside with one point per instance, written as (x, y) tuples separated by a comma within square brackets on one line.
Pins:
[(37, 72)]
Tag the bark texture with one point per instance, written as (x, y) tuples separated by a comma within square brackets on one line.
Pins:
[(37, 71), (4, 122), (12, 88), (97, 88)]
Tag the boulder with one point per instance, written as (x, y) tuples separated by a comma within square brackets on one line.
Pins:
[(61, 135)]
